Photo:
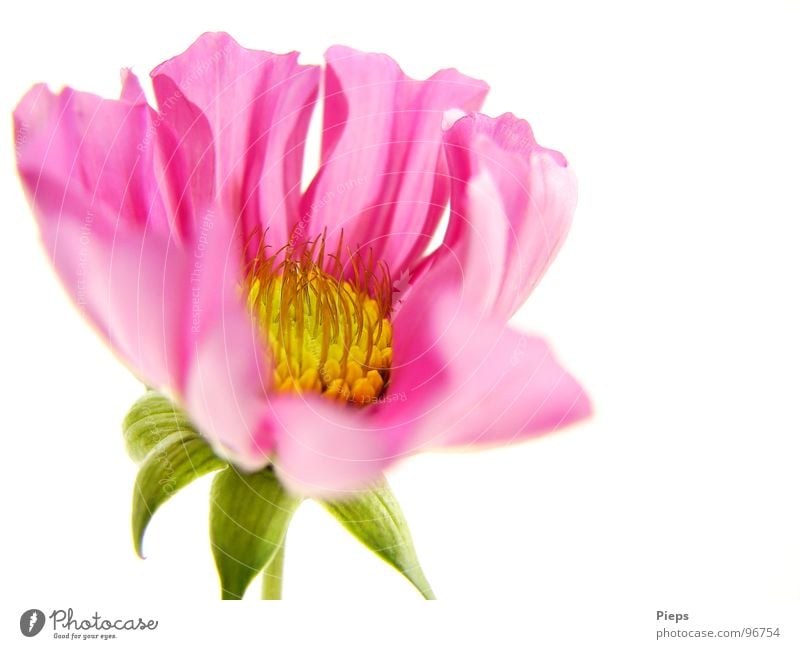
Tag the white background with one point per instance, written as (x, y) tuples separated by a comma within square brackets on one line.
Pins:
[(674, 301)]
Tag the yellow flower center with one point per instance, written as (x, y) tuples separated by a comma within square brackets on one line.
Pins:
[(327, 334)]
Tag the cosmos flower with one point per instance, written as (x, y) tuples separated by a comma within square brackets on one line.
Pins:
[(308, 328)]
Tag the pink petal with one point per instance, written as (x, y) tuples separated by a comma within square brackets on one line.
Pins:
[(383, 179), (228, 375), (512, 206), (464, 377), (258, 106), (90, 178), (328, 449), (166, 301), (131, 88), (185, 166)]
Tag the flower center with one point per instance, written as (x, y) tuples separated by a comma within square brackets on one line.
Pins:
[(327, 334)]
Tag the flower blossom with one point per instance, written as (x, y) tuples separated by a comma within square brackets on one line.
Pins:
[(309, 328)]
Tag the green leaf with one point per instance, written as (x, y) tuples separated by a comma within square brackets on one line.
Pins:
[(250, 513), (170, 465), (152, 418), (374, 517), (272, 577)]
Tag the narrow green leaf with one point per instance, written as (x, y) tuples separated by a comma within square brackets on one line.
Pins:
[(170, 465), (374, 517), (152, 418), (250, 513)]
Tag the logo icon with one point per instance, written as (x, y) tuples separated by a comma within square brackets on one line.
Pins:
[(31, 622)]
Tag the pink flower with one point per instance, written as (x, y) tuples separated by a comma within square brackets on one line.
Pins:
[(307, 328)]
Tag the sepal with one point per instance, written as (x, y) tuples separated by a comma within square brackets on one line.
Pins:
[(250, 513), (374, 517)]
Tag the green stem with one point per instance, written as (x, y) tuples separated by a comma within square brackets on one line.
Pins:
[(272, 579)]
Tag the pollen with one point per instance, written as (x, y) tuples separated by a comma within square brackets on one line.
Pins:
[(327, 334)]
